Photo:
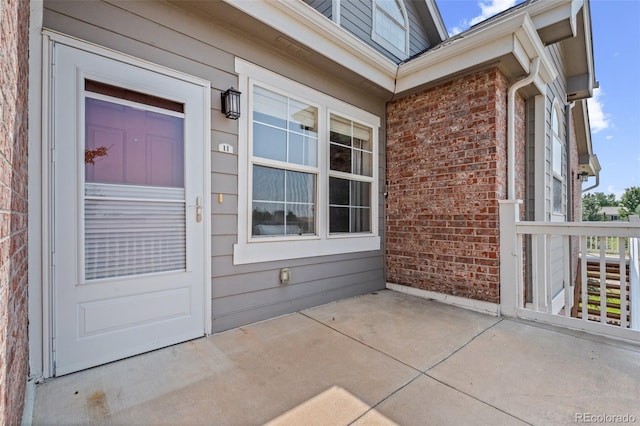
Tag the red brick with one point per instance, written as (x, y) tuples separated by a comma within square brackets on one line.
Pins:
[(445, 185), (14, 21)]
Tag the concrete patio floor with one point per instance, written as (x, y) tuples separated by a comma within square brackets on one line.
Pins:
[(382, 358)]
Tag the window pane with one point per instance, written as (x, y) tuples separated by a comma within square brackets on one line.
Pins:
[(340, 158), (391, 31), (557, 156), (392, 8), (557, 195), (269, 107), (301, 187), (338, 219), (362, 137), (349, 206), (351, 147), (362, 163), (555, 123), (268, 218), (284, 129), (303, 118), (360, 194), (131, 146), (303, 150), (268, 184), (360, 220), (338, 191), (283, 202), (269, 142), (300, 219)]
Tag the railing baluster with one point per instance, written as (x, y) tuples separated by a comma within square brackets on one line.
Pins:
[(603, 280), (535, 276), (623, 283), (568, 287), (520, 281), (585, 282), (548, 279)]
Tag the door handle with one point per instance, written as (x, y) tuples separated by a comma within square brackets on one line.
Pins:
[(198, 210)]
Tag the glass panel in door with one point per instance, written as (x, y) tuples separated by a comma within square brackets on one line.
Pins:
[(134, 196)]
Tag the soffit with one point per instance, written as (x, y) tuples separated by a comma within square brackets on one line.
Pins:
[(587, 160)]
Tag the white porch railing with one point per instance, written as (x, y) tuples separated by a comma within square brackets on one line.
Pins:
[(543, 288)]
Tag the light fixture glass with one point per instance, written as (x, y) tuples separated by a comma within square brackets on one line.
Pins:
[(230, 103)]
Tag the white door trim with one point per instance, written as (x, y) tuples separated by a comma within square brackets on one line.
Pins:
[(49, 39)]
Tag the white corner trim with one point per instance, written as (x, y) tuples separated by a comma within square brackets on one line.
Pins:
[(461, 302), (29, 400), (305, 25)]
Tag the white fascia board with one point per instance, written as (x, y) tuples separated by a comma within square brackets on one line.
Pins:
[(437, 19), (297, 20), (546, 13), (528, 38), (516, 35)]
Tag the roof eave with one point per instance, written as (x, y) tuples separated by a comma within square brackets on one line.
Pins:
[(587, 160), (302, 23), (514, 38)]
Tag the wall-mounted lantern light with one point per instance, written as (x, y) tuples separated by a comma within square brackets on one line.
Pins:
[(583, 177), (230, 103)]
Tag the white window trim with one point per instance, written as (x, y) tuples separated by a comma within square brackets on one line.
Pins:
[(557, 215), (381, 40), (252, 250)]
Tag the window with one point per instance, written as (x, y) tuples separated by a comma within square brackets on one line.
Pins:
[(307, 171), (390, 26), (351, 176), (556, 158), (284, 165)]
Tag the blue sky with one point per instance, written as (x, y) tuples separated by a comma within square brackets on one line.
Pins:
[(614, 112)]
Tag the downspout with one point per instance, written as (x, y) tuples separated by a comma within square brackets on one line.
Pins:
[(511, 131)]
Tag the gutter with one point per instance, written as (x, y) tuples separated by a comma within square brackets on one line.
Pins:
[(511, 131)]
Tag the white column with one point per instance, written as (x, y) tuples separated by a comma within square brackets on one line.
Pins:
[(510, 258)]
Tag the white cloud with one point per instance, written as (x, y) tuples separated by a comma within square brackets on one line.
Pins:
[(490, 8), (608, 137), (597, 117), (487, 10)]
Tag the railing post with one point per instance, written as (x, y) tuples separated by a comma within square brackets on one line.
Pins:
[(510, 258), (634, 278)]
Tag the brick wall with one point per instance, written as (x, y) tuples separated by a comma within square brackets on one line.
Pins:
[(14, 27), (446, 171)]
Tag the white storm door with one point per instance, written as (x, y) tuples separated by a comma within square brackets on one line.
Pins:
[(128, 190)]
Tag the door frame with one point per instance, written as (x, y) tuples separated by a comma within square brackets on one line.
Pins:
[(45, 335)]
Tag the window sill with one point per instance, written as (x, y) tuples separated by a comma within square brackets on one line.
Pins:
[(267, 251)]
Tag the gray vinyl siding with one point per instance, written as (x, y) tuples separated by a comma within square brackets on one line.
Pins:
[(322, 6), (188, 42), (356, 16)]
